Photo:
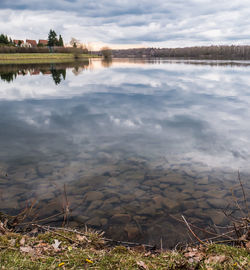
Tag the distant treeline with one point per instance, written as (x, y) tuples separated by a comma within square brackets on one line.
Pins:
[(9, 49), (205, 52)]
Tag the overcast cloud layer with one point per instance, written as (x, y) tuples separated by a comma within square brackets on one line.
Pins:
[(171, 23)]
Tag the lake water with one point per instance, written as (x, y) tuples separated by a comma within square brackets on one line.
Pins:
[(137, 143)]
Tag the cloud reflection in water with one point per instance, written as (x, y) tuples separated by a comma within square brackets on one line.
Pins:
[(173, 110)]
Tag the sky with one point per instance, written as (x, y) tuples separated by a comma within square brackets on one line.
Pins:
[(130, 23)]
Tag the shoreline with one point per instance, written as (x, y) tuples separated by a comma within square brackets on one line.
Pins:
[(37, 58)]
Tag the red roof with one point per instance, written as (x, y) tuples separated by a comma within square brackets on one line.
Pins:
[(31, 42), (34, 72), (17, 41), (43, 41)]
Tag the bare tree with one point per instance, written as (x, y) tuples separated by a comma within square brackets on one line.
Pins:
[(106, 52), (74, 42)]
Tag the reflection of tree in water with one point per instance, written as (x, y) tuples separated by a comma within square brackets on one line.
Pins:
[(57, 71), (77, 70), (107, 62), (8, 77), (58, 75)]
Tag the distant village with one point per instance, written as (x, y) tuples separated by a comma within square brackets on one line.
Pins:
[(30, 43), (53, 40)]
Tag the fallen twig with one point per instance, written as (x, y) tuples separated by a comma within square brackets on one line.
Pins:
[(189, 228)]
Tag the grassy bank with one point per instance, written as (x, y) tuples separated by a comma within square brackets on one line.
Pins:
[(32, 58), (62, 249)]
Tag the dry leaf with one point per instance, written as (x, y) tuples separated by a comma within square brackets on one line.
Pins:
[(248, 245), (81, 238), (22, 241), (216, 259), (27, 249), (56, 244), (190, 254), (142, 265), (147, 254), (2, 228), (12, 242), (194, 255)]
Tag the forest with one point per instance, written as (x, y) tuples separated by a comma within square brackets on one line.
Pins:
[(203, 52)]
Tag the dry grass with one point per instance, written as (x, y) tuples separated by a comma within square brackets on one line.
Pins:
[(71, 250)]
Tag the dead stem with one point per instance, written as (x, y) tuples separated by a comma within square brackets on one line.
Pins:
[(243, 192), (189, 228)]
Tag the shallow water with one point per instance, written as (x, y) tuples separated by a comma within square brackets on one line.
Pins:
[(137, 143)]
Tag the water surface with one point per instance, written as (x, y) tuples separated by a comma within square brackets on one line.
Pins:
[(137, 143)]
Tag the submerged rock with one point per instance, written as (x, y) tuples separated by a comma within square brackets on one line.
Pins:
[(172, 178), (121, 218), (95, 204), (95, 221), (93, 195), (217, 217), (132, 231), (217, 203)]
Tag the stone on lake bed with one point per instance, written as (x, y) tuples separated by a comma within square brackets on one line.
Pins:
[(95, 204), (136, 176), (132, 231), (107, 207), (140, 219), (138, 192), (191, 212), (113, 182), (190, 172), (163, 186), (176, 195), (95, 221), (170, 203), (121, 218), (158, 201), (156, 190), (217, 217), (202, 203), (104, 221), (202, 181), (217, 203), (93, 195), (132, 207), (172, 178), (150, 183), (127, 197), (80, 218), (149, 210), (112, 200), (198, 194), (188, 204)]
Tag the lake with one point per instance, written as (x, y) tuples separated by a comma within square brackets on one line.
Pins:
[(134, 144)]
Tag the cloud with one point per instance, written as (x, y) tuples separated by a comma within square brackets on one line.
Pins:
[(152, 23)]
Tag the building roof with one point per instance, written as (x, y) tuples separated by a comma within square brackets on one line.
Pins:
[(43, 41), (16, 41), (31, 42)]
